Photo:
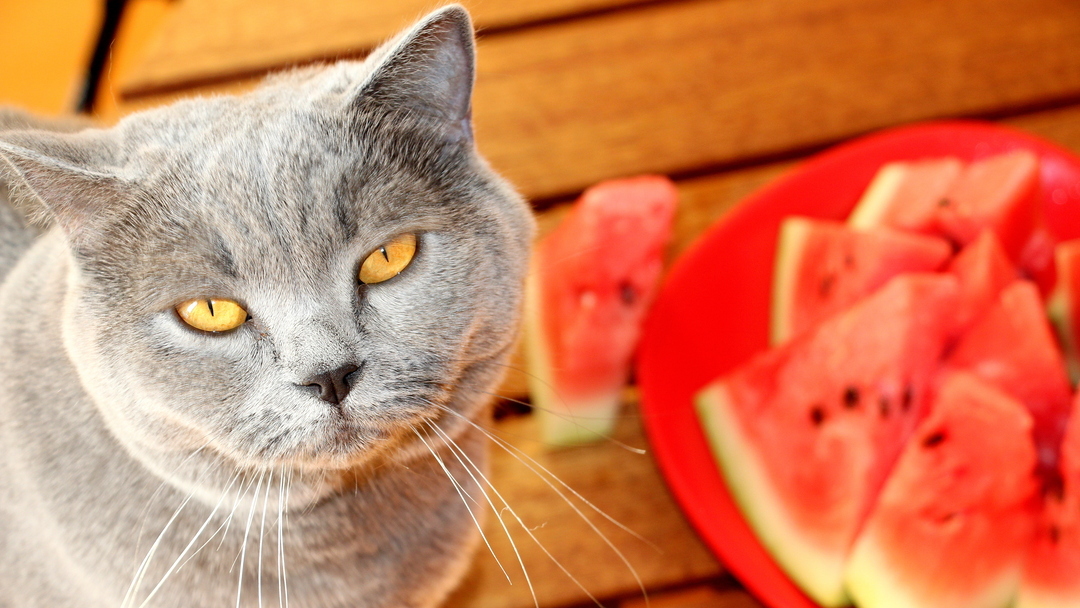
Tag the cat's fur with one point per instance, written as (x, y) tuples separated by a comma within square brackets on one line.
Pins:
[(120, 426)]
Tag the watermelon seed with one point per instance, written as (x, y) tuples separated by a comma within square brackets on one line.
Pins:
[(883, 404), (944, 202), (817, 415), (933, 439), (1055, 534), (906, 399), (826, 285), (851, 397), (944, 519), (626, 292), (849, 260)]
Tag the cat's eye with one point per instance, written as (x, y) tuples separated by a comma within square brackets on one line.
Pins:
[(389, 259), (212, 314)]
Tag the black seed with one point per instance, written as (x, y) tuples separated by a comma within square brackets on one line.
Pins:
[(851, 397), (627, 293), (944, 519), (933, 439), (1055, 534), (849, 260), (884, 406), (817, 415), (826, 285), (944, 202), (907, 398)]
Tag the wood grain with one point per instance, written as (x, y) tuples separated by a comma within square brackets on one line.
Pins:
[(214, 40), (692, 86)]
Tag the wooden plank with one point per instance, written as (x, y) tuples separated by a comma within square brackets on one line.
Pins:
[(678, 87), (211, 40), (701, 596), (624, 484), (682, 87)]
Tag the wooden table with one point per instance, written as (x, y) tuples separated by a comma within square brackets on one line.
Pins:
[(722, 95)]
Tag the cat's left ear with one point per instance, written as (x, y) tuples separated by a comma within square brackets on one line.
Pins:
[(428, 69), (59, 177)]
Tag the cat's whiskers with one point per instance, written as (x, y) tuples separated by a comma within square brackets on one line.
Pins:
[(176, 565), (129, 596), (463, 494), (262, 530), (243, 547), (547, 476), (283, 599)]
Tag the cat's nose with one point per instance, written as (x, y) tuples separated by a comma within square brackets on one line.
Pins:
[(334, 384)]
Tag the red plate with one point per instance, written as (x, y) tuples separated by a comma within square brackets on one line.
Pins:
[(712, 312)]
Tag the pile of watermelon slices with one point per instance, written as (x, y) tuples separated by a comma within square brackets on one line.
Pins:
[(909, 439)]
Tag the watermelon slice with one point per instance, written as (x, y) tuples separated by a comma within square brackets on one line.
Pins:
[(983, 270), (822, 267), (1063, 309), (1012, 347), (1051, 576), (906, 195), (952, 522), (806, 433), (593, 279), (1037, 260), (996, 193)]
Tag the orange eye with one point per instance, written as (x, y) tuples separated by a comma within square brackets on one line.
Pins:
[(388, 260), (212, 314)]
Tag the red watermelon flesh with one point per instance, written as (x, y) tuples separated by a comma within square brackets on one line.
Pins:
[(905, 195), (822, 267), (1012, 346), (1051, 576), (996, 193), (952, 523), (1064, 305), (1037, 260), (983, 270), (593, 279), (806, 433)]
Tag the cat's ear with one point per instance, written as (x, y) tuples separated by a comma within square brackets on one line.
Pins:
[(428, 69), (58, 177)]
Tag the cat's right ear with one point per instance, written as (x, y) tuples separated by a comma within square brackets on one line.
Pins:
[(56, 178), (428, 71)]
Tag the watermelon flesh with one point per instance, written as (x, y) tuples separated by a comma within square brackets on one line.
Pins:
[(997, 194), (822, 267), (951, 524), (593, 279), (1012, 346), (1051, 577), (984, 270), (1063, 307), (906, 195), (806, 433)]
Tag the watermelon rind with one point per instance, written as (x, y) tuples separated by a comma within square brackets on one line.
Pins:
[(792, 234), (1060, 306), (872, 583), (875, 201), (564, 420), (818, 572)]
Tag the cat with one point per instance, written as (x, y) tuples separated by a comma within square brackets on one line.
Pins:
[(251, 356)]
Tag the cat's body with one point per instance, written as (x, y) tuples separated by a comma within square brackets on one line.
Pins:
[(128, 438)]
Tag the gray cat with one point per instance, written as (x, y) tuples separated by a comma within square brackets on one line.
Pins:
[(257, 341)]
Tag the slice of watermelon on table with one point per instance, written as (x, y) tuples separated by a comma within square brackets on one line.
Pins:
[(593, 278), (951, 525), (983, 270), (807, 432), (712, 313), (906, 195)]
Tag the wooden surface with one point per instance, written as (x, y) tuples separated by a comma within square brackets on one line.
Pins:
[(723, 95)]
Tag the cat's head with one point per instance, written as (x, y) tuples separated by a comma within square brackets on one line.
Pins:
[(363, 265)]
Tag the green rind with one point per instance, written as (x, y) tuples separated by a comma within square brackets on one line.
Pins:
[(789, 247), (870, 583), (1059, 307), (819, 573)]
